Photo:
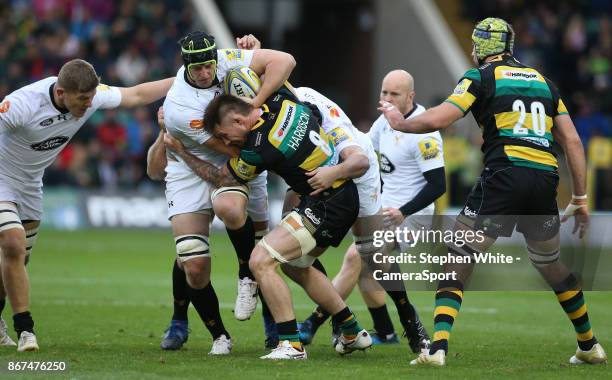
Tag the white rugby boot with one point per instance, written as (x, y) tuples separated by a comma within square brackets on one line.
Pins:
[(361, 342), (437, 359), (27, 342), (246, 300), (221, 346), (285, 351), (596, 355), (5, 339)]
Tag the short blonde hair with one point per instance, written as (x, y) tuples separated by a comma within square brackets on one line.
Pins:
[(78, 75)]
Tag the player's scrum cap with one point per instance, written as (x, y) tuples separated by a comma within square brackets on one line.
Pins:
[(492, 36), (198, 48)]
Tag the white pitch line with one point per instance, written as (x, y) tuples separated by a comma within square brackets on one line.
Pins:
[(226, 305)]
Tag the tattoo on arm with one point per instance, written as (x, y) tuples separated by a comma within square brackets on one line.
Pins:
[(219, 177)]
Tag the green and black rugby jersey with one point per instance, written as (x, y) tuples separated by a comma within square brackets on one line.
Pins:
[(514, 106), (287, 140)]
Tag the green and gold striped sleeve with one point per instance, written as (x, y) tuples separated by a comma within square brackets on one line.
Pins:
[(467, 91)]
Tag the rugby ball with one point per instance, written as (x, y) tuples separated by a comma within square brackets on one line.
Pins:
[(241, 81)]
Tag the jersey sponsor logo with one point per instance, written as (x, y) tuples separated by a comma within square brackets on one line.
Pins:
[(310, 215), (429, 149), (469, 212), (287, 116), (300, 131), (49, 144), (46, 122), (196, 124), (334, 113), (258, 138), (339, 136), (325, 233), (4, 106), (462, 87), (536, 140), (550, 223), (386, 166), (233, 54), (520, 75), (245, 170)]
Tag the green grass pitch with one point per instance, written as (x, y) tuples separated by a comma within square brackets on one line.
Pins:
[(101, 300)]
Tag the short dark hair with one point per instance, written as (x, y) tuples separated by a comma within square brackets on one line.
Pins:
[(78, 75), (221, 105)]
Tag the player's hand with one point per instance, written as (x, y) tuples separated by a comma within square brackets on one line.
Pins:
[(255, 102), (173, 144), (321, 178), (579, 210), (392, 217), (160, 118), (248, 42), (392, 114)]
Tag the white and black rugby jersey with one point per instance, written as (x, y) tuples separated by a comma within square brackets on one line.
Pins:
[(185, 105), (404, 157), (33, 129)]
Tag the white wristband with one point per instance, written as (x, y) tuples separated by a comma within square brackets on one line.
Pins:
[(579, 196)]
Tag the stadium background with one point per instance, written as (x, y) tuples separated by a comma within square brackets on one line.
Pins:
[(343, 49)]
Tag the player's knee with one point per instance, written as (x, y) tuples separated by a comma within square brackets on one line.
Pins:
[(225, 208), (351, 258), (13, 245), (197, 273), (12, 239), (260, 260), (229, 204)]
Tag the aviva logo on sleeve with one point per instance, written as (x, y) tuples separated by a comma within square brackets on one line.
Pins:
[(429, 148)]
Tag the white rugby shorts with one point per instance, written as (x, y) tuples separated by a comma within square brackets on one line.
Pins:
[(188, 193), (27, 197)]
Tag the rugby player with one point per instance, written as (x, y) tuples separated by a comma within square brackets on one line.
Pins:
[(284, 136), (191, 200), (370, 219), (349, 142), (520, 113), (412, 170), (37, 121)]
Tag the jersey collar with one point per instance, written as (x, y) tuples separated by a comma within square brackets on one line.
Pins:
[(57, 107), (264, 109), (414, 107)]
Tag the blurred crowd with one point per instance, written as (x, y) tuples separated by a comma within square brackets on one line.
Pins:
[(128, 42), (132, 41)]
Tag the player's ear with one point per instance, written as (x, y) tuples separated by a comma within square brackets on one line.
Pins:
[(59, 90)]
